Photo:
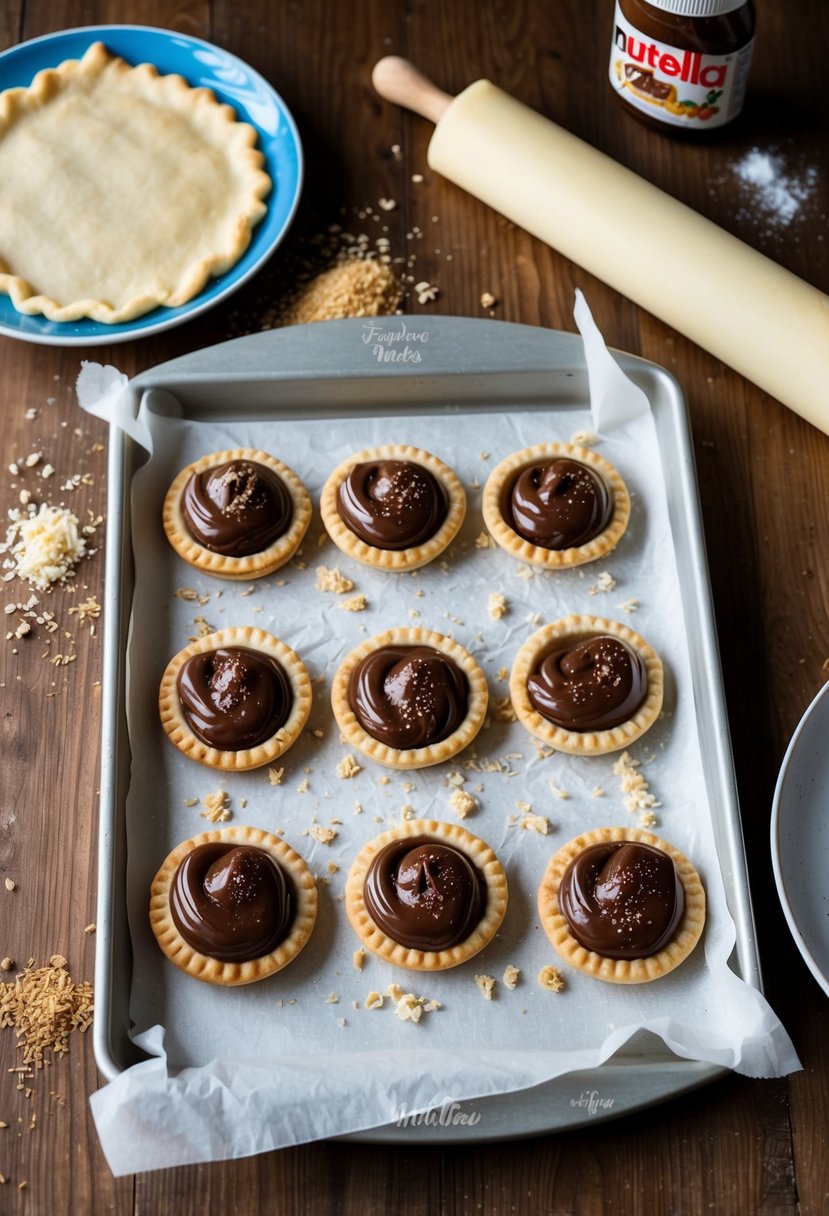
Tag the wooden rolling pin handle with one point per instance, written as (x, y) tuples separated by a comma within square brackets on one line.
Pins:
[(399, 81)]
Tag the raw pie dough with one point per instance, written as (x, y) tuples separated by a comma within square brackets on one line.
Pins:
[(121, 190)]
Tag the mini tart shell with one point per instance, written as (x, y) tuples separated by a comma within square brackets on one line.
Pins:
[(536, 555), (588, 742), (211, 970), (417, 757), (178, 728), (254, 565), (394, 559), (621, 971), (385, 947)]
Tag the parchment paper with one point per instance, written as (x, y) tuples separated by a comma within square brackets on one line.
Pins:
[(239, 1071)]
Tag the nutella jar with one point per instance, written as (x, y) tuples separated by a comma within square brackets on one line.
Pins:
[(682, 65)]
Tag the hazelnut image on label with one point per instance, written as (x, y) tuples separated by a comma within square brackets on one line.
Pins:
[(586, 685), (426, 895), (556, 505), (239, 514), (622, 905), (235, 699), (233, 906), (394, 507), (409, 698)]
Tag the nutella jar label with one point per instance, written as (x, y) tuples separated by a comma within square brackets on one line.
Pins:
[(682, 88)]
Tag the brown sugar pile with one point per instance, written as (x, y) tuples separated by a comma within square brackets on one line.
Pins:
[(43, 1005), (353, 288)]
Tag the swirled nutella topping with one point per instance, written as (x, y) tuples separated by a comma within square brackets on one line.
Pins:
[(232, 903), (592, 684), (237, 508), (424, 894), (234, 698), (622, 899), (408, 696), (558, 504), (392, 504)]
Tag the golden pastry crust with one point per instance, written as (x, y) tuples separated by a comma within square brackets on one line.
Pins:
[(211, 970), (178, 728), (375, 940), (621, 971), (536, 555), (418, 757), (574, 742), (158, 227), (254, 565), (394, 559)]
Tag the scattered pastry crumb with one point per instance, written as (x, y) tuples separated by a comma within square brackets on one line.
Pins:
[(502, 710), (348, 768), (551, 979), (605, 582), (332, 867), (586, 439), (358, 958), (384, 780), (463, 803), (484, 541), (510, 976), (486, 985), (629, 605), (374, 1000), (358, 808), (386, 204), (497, 605), (634, 786), (88, 611), (455, 779), (529, 821), (332, 580), (407, 811), (647, 819), (425, 292), (342, 1023), (322, 834), (488, 300), (90, 928), (597, 792), (408, 1007), (356, 603), (332, 999), (216, 807), (188, 802), (525, 572), (503, 674), (275, 775), (190, 594), (10, 884), (6, 964), (558, 793)]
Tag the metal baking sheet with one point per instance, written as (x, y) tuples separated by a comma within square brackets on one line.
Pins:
[(311, 372)]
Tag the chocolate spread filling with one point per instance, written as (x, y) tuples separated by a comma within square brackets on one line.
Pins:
[(592, 684), (622, 899), (646, 82), (234, 698), (557, 504), (424, 894), (232, 903), (408, 696), (236, 508), (392, 504)]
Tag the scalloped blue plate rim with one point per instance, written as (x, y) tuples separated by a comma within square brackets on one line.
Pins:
[(282, 151)]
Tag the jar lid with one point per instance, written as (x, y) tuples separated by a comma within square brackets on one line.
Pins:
[(698, 8)]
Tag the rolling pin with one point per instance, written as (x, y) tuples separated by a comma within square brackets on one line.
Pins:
[(739, 305)]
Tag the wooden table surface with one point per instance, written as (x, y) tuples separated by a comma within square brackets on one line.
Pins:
[(737, 1146)]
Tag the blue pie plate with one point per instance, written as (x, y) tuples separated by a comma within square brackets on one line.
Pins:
[(201, 64)]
